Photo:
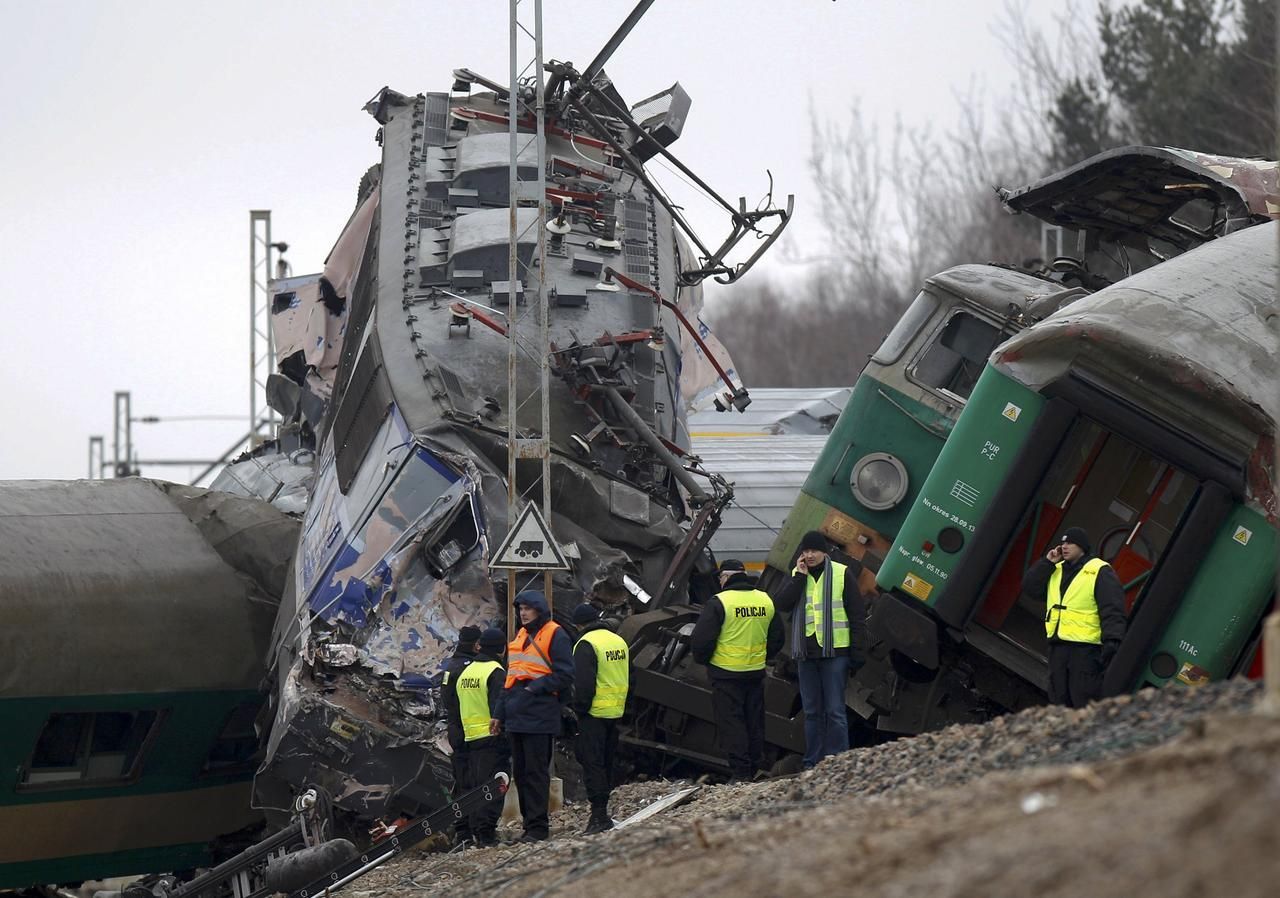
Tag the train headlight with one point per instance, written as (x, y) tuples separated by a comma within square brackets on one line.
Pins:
[(878, 481)]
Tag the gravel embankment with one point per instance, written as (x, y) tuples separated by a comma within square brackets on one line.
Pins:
[(888, 810)]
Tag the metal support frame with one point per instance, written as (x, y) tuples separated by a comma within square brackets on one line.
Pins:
[(262, 350), (97, 460), (529, 193), (122, 436)]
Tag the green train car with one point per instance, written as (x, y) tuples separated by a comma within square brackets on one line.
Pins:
[(137, 617), (1143, 413), (904, 406)]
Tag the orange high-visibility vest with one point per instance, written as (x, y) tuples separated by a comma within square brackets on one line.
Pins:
[(523, 659)]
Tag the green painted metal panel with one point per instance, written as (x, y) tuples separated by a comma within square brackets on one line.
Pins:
[(99, 866), (806, 514), (1223, 602), (189, 725), (877, 418), (958, 491)]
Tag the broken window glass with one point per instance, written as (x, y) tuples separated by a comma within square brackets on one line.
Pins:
[(954, 361), (906, 329), (88, 747), (237, 741), (358, 572)]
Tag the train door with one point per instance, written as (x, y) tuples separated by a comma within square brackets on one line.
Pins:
[(1126, 498)]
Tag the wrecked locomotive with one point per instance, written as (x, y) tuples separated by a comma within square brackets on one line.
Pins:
[(1121, 212), (1144, 414), (391, 370), (1103, 219)]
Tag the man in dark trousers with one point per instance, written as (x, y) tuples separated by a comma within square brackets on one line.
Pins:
[(462, 655), (828, 640), (736, 633), (539, 669), (1084, 617), (602, 676), (472, 701)]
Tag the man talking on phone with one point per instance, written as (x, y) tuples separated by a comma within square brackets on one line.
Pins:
[(1084, 617)]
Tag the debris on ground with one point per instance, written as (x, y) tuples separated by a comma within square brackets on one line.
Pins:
[(1168, 792)]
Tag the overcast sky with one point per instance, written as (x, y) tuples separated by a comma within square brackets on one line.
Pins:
[(136, 136)]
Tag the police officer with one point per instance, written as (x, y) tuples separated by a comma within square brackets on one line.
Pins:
[(736, 633), (828, 638), (602, 674), (473, 701), (1084, 616), (462, 655), (539, 671)]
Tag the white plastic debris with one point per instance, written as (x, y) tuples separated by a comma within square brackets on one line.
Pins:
[(1036, 802)]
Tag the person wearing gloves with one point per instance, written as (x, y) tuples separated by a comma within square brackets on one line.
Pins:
[(1084, 616), (473, 700), (462, 655), (736, 633), (602, 676), (539, 672), (828, 641)]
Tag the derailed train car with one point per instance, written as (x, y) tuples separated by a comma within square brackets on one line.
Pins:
[(1116, 213), (136, 617), (1143, 413), (395, 374)]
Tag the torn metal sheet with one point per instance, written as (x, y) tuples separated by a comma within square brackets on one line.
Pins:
[(665, 803), (1147, 204)]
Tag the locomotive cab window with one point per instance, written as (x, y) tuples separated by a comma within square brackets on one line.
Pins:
[(907, 328), (955, 359), (89, 748)]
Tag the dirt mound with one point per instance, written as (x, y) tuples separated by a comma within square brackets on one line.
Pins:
[(1170, 793)]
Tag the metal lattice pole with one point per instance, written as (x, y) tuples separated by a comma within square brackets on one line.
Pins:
[(262, 354), (530, 193), (96, 461), (122, 435)]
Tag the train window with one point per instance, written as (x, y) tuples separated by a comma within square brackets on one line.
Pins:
[(86, 747), (236, 742), (906, 329), (954, 361)]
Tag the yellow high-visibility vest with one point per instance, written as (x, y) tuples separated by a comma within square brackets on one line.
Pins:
[(613, 672), (814, 615), (472, 687), (743, 637), (1074, 617)]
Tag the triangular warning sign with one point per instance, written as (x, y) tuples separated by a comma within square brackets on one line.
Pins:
[(529, 545)]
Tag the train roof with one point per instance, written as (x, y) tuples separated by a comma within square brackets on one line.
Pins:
[(109, 587), (775, 410), (767, 473), (1195, 337), (1147, 192), (994, 287)]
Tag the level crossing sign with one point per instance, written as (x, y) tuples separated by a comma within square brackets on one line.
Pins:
[(529, 545)]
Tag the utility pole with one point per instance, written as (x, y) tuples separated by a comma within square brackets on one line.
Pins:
[(262, 349), (530, 193)]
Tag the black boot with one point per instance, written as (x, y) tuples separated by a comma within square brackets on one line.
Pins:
[(600, 820)]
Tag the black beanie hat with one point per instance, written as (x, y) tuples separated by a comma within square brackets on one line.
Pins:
[(585, 614), (1077, 536), (814, 539), (732, 564), (492, 641), (468, 635)]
